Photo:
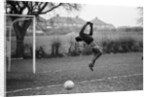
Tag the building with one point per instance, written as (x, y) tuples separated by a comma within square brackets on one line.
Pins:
[(66, 24), (99, 24), (58, 21)]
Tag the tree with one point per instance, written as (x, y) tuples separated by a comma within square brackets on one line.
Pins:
[(140, 19), (32, 8)]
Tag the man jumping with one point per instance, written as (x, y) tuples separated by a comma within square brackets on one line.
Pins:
[(88, 39)]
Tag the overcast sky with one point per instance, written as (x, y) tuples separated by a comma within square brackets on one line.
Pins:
[(116, 15)]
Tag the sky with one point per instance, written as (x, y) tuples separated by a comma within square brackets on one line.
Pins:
[(116, 15)]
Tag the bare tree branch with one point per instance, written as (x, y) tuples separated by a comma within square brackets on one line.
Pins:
[(52, 8), (42, 8), (14, 7), (39, 6)]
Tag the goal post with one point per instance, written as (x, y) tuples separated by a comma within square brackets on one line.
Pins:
[(8, 38)]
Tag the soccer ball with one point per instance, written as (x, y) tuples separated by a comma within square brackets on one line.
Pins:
[(68, 85)]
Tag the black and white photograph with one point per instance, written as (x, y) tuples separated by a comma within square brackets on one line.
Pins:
[(54, 48)]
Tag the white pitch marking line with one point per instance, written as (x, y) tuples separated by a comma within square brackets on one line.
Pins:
[(109, 78), (113, 77), (36, 88), (14, 91)]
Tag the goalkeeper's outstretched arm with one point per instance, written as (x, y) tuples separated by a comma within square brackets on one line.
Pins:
[(82, 30)]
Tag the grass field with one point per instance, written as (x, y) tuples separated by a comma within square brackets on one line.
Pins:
[(113, 72)]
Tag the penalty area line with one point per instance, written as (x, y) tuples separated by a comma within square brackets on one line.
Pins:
[(111, 77), (95, 80), (35, 88)]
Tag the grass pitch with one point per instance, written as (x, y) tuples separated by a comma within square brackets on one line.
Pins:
[(114, 72)]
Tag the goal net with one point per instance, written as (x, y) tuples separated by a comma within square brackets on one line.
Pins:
[(13, 62)]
